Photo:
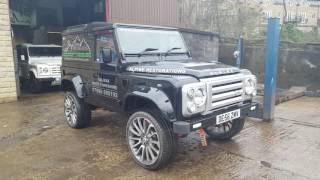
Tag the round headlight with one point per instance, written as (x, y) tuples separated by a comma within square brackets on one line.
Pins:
[(191, 93), (199, 93), (191, 107), (45, 70), (250, 86), (194, 97), (199, 97)]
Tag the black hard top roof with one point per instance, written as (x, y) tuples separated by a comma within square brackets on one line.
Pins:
[(100, 26), (96, 26)]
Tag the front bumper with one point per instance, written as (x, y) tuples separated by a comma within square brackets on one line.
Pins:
[(193, 124), (55, 80)]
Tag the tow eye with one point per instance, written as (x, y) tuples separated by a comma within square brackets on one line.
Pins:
[(203, 137)]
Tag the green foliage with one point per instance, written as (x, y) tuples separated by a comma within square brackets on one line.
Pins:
[(290, 32)]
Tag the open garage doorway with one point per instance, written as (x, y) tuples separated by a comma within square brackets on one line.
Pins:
[(37, 25)]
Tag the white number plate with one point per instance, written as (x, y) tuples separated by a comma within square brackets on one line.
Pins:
[(225, 117)]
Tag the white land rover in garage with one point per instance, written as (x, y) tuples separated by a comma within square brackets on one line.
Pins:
[(39, 65)]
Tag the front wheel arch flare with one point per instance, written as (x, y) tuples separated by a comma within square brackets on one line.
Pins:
[(32, 74), (156, 97)]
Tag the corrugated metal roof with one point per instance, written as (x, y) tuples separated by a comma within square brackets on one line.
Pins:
[(151, 12)]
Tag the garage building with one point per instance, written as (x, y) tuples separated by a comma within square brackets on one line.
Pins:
[(42, 21), (8, 90)]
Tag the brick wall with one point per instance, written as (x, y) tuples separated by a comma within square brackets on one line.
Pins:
[(8, 91)]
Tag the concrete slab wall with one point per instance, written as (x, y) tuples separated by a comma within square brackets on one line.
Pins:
[(299, 65), (203, 45), (8, 90)]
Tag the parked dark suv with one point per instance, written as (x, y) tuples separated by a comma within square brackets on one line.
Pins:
[(148, 73)]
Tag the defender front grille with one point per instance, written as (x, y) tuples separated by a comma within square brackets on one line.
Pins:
[(55, 70), (224, 91)]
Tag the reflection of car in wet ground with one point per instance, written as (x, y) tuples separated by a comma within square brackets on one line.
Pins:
[(39, 66), (148, 73)]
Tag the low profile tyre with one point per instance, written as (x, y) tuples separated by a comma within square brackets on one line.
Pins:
[(150, 141), (76, 111), (226, 130)]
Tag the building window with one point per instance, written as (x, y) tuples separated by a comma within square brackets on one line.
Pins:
[(302, 17), (267, 14), (290, 16)]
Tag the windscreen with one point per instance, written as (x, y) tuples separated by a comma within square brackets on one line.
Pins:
[(45, 51), (133, 40)]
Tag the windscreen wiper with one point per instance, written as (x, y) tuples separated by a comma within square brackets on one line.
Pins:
[(170, 50), (147, 50)]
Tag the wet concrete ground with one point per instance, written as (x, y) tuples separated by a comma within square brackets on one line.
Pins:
[(36, 143)]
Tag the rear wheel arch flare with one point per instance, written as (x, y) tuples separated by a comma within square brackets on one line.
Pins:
[(75, 84), (67, 85)]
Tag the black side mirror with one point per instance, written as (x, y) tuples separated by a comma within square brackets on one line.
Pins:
[(106, 55)]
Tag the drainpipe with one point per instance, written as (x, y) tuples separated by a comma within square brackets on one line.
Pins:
[(271, 68), (240, 50), (238, 54), (107, 11)]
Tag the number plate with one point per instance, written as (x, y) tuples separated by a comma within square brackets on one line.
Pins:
[(225, 117)]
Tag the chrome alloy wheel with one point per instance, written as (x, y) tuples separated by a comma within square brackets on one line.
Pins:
[(70, 110), (144, 140)]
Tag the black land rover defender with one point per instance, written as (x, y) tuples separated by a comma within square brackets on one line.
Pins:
[(149, 73)]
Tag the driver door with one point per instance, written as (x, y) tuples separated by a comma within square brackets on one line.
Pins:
[(104, 87)]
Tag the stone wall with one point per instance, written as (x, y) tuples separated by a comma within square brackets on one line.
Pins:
[(299, 64), (8, 90)]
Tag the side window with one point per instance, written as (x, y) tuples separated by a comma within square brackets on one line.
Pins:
[(25, 52), (105, 49), (77, 47)]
